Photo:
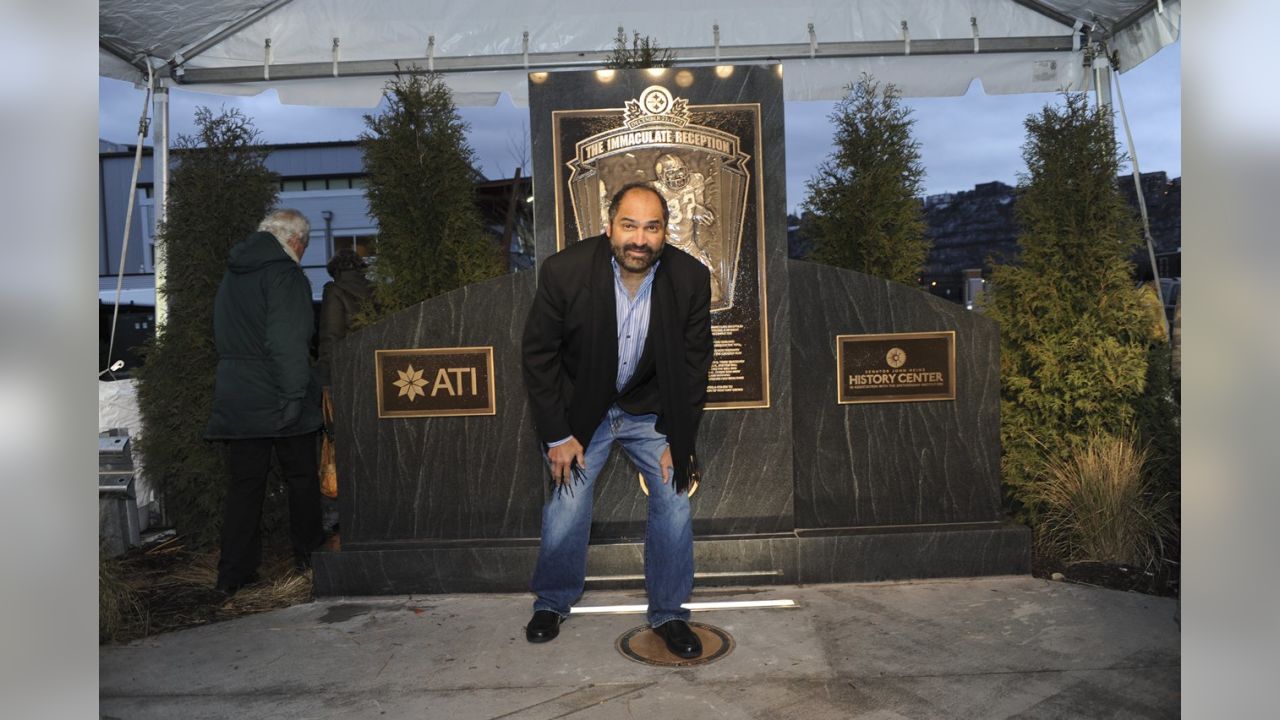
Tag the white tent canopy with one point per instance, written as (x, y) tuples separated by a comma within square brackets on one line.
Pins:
[(340, 52)]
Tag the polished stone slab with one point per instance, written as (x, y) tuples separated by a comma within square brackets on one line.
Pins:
[(804, 490), (745, 454), (897, 463), (833, 555), (913, 552), (482, 477), (439, 477)]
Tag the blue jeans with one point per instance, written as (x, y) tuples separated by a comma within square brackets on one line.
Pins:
[(668, 539)]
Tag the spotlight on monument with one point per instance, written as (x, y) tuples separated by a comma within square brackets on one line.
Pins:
[(691, 606), (724, 71), (605, 76), (537, 78)]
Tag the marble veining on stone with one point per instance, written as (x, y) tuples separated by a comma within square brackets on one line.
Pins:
[(890, 463), (442, 477), (745, 455), (805, 490)]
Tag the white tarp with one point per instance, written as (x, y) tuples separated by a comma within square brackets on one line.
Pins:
[(118, 408), (303, 31)]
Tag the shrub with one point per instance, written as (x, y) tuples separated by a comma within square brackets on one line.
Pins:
[(644, 52), (862, 212), (218, 193), (421, 189), (1098, 504), (1076, 340)]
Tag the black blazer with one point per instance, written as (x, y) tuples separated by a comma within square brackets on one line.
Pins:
[(570, 349)]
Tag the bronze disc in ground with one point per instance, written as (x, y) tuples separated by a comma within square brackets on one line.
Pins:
[(643, 645)]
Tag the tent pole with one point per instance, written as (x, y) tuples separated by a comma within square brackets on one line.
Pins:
[(1102, 85), (1142, 208), (1102, 79), (160, 193)]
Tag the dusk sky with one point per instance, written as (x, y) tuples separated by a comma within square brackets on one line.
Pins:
[(963, 140)]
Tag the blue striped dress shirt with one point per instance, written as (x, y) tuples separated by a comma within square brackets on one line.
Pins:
[(633, 326), (633, 321)]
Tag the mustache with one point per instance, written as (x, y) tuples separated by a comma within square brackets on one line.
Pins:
[(638, 248)]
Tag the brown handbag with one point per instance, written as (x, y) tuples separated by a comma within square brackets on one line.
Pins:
[(328, 456)]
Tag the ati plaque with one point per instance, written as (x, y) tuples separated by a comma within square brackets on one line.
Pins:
[(705, 160), (435, 382), (896, 367)]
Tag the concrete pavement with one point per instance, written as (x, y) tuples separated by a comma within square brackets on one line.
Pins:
[(960, 648)]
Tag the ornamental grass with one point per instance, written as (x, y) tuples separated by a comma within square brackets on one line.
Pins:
[(119, 608), (169, 586), (1098, 505)]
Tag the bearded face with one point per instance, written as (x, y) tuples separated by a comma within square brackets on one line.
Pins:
[(637, 233)]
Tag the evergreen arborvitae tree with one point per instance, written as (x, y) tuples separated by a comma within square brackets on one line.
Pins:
[(421, 189), (218, 193), (1075, 338), (863, 212), (644, 52)]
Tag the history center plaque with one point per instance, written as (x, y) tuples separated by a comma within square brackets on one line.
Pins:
[(705, 160), (435, 382), (896, 367)]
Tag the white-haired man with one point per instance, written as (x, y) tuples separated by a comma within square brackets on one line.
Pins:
[(265, 398)]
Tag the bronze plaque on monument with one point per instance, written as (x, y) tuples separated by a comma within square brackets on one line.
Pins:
[(705, 160), (896, 367), (434, 382)]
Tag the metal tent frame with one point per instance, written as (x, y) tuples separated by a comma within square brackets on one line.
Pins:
[(214, 47)]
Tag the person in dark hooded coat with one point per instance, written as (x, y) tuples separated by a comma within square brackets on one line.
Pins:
[(265, 398), (340, 302)]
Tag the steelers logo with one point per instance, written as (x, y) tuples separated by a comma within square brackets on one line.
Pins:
[(656, 100), (896, 357)]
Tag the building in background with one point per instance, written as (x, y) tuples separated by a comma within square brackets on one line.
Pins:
[(325, 181), (969, 229)]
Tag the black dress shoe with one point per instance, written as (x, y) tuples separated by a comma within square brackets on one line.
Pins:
[(544, 626), (680, 638)]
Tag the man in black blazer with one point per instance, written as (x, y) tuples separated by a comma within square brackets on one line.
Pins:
[(617, 347)]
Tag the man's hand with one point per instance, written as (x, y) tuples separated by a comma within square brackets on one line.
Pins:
[(562, 458), (665, 465)]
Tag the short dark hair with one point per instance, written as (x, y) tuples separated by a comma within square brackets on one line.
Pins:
[(622, 191), (344, 259)]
